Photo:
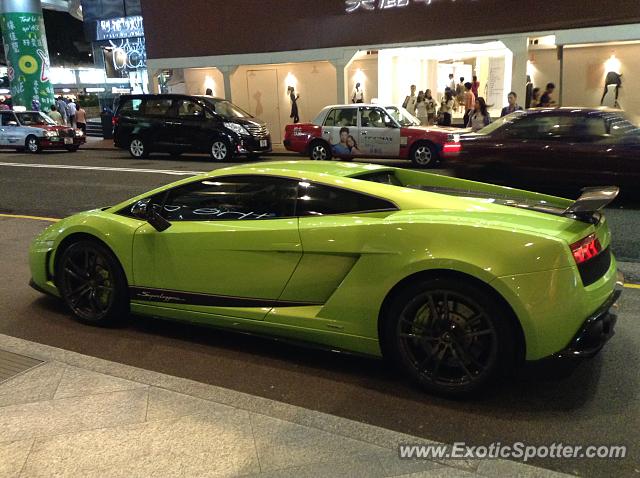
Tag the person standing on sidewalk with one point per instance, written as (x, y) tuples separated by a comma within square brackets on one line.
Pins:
[(513, 105), (410, 101), (469, 102), (431, 108), (61, 107), (71, 110), (81, 119)]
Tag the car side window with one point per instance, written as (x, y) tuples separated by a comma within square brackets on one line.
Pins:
[(8, 118), (331, 118), (540, 127), (322, 200), (188, 109), (157, 106), (131, 107), (372, 117), (232, 198)]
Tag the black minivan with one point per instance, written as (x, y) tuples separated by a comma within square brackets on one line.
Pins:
[(178, 124)]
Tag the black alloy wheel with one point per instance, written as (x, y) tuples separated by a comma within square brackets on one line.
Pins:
[(448, 336), (92, 283)]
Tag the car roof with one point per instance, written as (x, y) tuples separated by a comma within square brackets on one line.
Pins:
[(327, 168), (568, 110)]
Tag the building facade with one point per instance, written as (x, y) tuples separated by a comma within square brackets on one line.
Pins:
[(252, 52)]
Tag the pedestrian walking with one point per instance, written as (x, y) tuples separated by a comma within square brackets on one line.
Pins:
[(61, 107), (295, 114), (81, 119), (546, 99), (358, 94), (460, 92), (475, 86), (469, 102), (71, 111), (55, 115), (535, 98)]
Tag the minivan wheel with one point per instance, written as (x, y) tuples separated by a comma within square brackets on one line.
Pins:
[(138, 149), (220, 150)]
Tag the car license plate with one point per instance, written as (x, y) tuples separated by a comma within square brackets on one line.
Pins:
[(264, 143), (68, 141)]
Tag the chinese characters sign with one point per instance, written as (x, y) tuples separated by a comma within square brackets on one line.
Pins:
[(116, 28), (25, 47), (352, 6)]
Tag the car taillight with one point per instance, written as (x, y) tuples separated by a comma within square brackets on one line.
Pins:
[(586, 249), (450, 149), (115, 120)]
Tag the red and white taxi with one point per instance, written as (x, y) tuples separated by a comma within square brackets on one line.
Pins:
[(360, 130), (34, 131)]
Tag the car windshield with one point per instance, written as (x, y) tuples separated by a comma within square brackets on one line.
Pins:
[(619, 125), (402, 116), (32, 118), (499, 123), (226, 109)]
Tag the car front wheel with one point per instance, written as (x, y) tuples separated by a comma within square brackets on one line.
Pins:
[(220, 150), (448, 336), (424, 155), (92, 283), (138, 148), (320, 151), (33, 145)]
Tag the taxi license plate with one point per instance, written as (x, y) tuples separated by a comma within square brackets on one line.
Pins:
[(68, 141), (264, 143)]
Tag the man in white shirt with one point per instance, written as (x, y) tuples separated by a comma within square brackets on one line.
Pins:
[(452, 84), (411, 101), (71, 109)]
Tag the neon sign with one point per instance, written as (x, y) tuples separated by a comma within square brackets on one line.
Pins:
[(116, 28), (352, 6)]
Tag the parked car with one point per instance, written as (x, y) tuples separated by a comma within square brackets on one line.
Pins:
[(554, 147), (454, 280), (34, 131), (177, 124), (356, 130)]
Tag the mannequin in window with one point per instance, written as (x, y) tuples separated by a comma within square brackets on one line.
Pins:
[(612, 79), (295, 115)]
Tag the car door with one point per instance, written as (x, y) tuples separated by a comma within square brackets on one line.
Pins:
[(379, 133), (156, 123), (339, 128), (189, 126), (12, 135), (232, 246), (338, 229), (5, 118)]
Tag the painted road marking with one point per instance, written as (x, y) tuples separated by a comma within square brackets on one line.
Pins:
[(102, 168), (632, 286)]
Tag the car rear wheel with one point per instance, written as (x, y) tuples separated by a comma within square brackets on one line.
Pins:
[(32, 144), (448, 336), (138, 148), (424, 155), (92, 283), (320, 151), (220, 150)]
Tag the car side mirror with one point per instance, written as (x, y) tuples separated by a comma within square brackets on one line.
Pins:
[(144, 211)]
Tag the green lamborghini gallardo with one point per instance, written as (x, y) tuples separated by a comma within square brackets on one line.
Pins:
[(455, 281)]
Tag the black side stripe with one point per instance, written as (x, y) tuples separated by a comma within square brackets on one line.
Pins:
[(164, 296)]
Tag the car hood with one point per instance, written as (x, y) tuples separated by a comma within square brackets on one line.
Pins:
[(248, 121)]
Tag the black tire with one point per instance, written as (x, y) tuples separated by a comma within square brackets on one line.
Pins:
[(424, 155), (92, 283), (73, 149), (220, 150), (138, 148), (32, 145), (452, 351), (320, 151)]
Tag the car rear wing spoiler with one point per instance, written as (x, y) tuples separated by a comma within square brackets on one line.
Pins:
[(590, 202)]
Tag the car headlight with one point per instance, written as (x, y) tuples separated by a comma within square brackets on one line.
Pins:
[(236, 128), (50, 134), (79, 132)]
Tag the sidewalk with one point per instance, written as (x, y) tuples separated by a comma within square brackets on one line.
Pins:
[(99, 144), (79, 416)]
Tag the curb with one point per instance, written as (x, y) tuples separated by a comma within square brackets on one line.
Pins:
[(282, 154)]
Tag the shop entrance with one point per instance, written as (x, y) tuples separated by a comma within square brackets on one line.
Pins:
[(262, 86)]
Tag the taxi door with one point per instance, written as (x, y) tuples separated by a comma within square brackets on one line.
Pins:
[(379, 133)]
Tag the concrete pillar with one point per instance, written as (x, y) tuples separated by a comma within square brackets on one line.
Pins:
[(227, 71), (25, 46), (519, 46), (341, 79)]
